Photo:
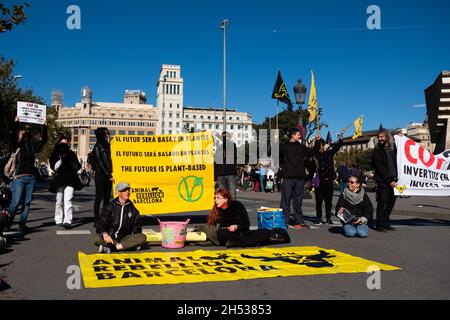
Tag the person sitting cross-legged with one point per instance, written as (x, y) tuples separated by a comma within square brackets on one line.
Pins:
[(119, 227), (358, 203)]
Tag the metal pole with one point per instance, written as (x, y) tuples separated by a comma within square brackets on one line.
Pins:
[(224, 76)]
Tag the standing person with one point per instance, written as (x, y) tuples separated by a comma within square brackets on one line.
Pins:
[(65, 164), (226, 170), (327, 176), (384, 162), (119, 226), (262, 178), (357, 202), (292, 170), (103, 170), (343, 175), (233, 223), (24, 178)]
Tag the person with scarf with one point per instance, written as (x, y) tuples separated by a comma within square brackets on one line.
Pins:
[(65, 164), (103, 170), (357, 202), (384, 162)]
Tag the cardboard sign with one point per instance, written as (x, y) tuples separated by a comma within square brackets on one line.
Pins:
[(31, 112)]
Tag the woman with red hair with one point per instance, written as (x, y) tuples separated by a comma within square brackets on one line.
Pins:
[(233, 223)]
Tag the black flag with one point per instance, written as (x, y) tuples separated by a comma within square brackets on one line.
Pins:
[(329, 140), (279, 91)]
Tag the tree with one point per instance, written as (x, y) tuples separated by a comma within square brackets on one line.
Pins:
[(10, 93), (9, 17), (287, 119)]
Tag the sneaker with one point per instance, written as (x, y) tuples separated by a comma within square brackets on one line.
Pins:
[(330, 222), (300, 226), (319, 222), (59, 224), (104, 249), (390, 228), (2, 244), (380, 229), (67, 226), (23, 227)]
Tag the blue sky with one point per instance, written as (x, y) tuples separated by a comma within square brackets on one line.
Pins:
[(381, 73)]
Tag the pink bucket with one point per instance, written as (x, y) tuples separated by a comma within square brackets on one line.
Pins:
[(173, 233)]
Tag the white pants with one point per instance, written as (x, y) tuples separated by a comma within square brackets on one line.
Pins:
[(64, 194)]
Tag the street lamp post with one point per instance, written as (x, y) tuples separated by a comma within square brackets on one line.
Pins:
[(163, 102), (300, 96), (223, 26)]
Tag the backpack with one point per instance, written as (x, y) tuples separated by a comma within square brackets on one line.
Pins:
[(10, 167), (92, 160)]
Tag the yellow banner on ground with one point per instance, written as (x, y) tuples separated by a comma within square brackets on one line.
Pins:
[(148, 268), (167, 173)]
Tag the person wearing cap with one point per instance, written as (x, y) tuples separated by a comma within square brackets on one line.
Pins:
[(292, 170), (119, 227), (327, 175)]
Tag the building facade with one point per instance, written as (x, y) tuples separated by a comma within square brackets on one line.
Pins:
[(135, 117), (437, 98)]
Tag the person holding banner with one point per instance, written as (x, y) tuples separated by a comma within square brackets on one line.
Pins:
[(225, 168), (358, 205), (384, 162), (24, 178), (327, 176), (292, 170), (233, 223), (119, 226), (103, 170)]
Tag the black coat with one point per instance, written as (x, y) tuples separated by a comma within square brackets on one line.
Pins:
[(66, 175), (363, 209), (102, 154), (292, 157), (28, 150), (380, 165), (119, 220), (235, 214), (326, 163)]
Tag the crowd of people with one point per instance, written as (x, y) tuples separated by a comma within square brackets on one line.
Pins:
[(118, 223)]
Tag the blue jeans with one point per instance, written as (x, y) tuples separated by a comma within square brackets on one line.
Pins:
[(342, 186), (19, 186), (262, 186), (351, 230)]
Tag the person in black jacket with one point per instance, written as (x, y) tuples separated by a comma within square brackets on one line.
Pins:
[(233, 223), (24, 178), (327, 176), (384, 162), (103, 170), (357, 202), (65, 164), (225, 167), (292, 170), (119, 226)]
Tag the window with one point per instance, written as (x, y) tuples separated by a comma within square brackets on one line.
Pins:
[(178, 116), (92, 139), (75, 131), (170, 131), (170, 106), (210, 126), (209, 117), (113, 114), (92, 132), (178, 89), (121, 132), (170, 115), (178, 106), (141, 133), (231, 118), (131, 133), (178, 124), (112, 132), (217, 126), (195, 117), (170, 124), (141, 116), (232, 127)]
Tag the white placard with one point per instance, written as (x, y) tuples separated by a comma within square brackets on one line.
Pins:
[(31, 112)]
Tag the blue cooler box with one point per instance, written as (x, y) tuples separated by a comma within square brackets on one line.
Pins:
[(271, 218)]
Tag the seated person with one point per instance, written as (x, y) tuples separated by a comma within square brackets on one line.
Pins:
[(358, 203), (119, 227), (232, 221)]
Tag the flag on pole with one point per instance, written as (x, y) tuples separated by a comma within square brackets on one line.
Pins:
[(312, 103), (358, 127), (279, 91), (329, 139)]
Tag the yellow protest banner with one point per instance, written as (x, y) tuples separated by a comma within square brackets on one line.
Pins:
[(167, 173), (150, 268)]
